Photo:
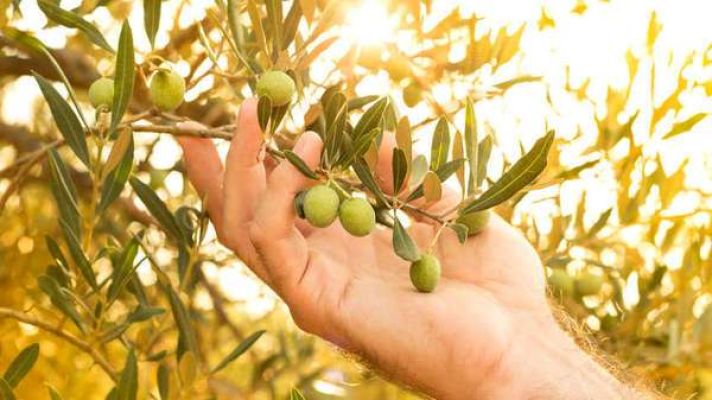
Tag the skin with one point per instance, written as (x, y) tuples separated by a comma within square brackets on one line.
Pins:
[(486, 332)]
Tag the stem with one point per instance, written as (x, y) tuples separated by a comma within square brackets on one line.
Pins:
[(78, 343)]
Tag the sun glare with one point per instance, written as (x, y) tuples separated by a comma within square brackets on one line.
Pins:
[(369, 23)]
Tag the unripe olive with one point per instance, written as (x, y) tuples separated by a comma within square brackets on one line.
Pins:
[(475, 222), (277, 86), (412, 94), (167, 89), (101, 93), (425, 273), (357, 216), (589, 284), (321, 205), (561, 282)]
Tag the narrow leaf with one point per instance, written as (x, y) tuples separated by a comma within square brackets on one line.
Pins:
[(364, 174), (238, 351), (151, 18), (72, 20), (264, 111), (127, 389), (6, 391), (461, 230), (123, 271), (54, 291), (302, 166), (484, 149), (157, 208), (399, 166), (523, 172), (66, 120), (163, 378), (359, 102), (443, 173), (116, 179), (296, 395), (685, 126), (182, 319), (440, 146), (118, 151), (64, 192), (432, 187), (403, 245), (75, 249), (124, 75), (471, 147), (53, 393), (371, 118), (21, 365)]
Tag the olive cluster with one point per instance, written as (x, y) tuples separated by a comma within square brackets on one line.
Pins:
[(321, 205)]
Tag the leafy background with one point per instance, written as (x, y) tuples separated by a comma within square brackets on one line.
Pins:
[(627, 194)]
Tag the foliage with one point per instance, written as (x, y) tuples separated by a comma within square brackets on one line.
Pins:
[(130, 277)]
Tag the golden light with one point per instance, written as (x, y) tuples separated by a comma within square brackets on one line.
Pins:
[(369, 23)]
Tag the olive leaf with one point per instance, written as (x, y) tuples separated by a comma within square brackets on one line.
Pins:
[(6, 391), (459, 152), (54, 291), (523, 172), (127, 388), (471, 147), (685, 126), (80, 259), (504, 85), (358, 102), (21, 365), (404, 139), (274, 16), (238, 351), (158, 209), (124, 75), (65, 119), (163, 379), (264, 111), (187, 340), (121, 145), (403, 245), (295, 394), (461, 230), (151, 18), (444, 173), (56, 253), (371, 118), (575, 171), (116, 179), (335, 114), (233, 22), (600, 223), (144, 313), (123, 271), (254, 12), (399, 165), (484, 149), (291, 23), (302, 166), (64, 192), (71, 20), (432, 187), (440, 146), (360, 146), (363, 172), (53, 393)]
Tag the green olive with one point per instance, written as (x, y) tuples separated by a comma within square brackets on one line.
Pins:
[(321, 206), (425, 273), (561, 282), (167, 89), (357, 216), (101, 93), (589, 284), (475, 222), (277, 86)]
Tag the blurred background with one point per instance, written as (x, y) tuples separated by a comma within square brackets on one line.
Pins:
[(621, 217)]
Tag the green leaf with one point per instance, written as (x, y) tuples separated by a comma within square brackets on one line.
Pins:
[(503, 86), (53, 393), (65, 119), (185, 328), (124, 75), (523, 172), (6, 391), (123, 271), (72, 20), (484, 149), (238, 351), (685, 126), (461, 230), (163, 379), (157, 208), (143, 313), (361, 145), (127, 388), (264, 110), (335, 114), (75, 249), (471, 147), (64, 192), (291, 23), (399, 165), (274, 16), (151, 18), (233, 22), (358, 102), (371, 118), (444, 172), (302, 166), (56, 253), (403, 245), (54, 291), (364, 174), (21, 365), (295, 394), (115, 181), (600, 223), (440, 146)]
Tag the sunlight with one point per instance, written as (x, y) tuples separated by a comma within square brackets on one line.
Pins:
[(369, 23)]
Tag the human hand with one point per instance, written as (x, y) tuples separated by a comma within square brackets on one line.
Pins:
[(484, 332)]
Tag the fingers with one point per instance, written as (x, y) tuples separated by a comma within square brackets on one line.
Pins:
[(205, 171), (245, 177), (280, 245)]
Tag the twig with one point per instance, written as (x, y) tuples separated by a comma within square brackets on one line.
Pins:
[(78, 343)]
